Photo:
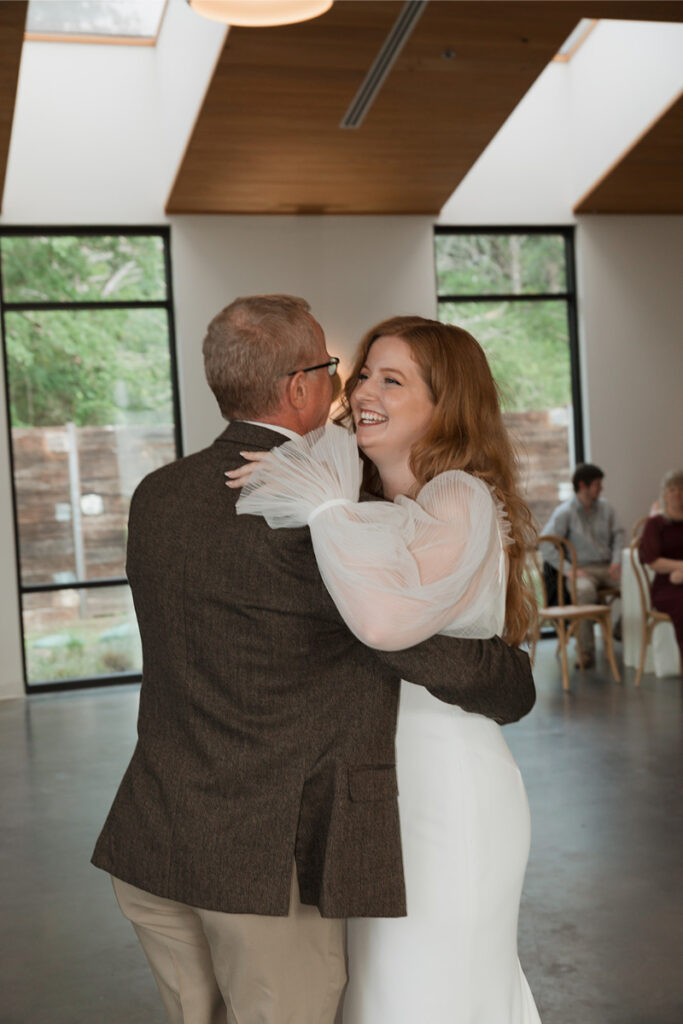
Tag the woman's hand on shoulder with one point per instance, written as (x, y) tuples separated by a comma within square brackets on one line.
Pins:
[(239, 477)]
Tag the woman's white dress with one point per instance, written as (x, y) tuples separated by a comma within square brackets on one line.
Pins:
[(400, 572)]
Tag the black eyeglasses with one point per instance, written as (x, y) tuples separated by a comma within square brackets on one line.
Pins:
[(331, 365)]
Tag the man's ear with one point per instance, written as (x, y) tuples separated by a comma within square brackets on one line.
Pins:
[(296, 390)]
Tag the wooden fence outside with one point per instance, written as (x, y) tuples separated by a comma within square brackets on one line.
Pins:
[(73, 489)]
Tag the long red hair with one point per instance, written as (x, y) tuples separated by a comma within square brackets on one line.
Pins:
[(466, 432)]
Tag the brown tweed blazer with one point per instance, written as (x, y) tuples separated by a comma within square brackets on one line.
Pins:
[(266, 730)]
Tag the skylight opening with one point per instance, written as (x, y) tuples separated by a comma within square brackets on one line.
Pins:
[(132, 22), (575, 39)]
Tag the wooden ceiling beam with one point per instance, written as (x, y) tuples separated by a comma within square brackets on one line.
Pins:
[(268, 140), (12, 23)]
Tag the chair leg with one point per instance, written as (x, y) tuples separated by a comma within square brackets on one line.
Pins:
[(606, 624), (644, 644), (562, 638), (573, 634)]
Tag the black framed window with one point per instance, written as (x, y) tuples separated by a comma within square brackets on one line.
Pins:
[(92, 407), (513, 288)]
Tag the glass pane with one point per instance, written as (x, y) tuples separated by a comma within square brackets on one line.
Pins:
[(76, 634), (500, 264), (68, 268), (139, 18), (92, 413), (527, 345)]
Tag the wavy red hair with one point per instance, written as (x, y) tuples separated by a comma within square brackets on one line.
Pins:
[(466, 432)]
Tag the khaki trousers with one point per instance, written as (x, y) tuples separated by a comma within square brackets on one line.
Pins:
[(597, 575), (216, 968)]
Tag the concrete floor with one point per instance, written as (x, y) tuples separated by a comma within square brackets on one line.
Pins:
[(601, 925)]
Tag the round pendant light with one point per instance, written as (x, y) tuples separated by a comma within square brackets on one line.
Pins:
[(260, 13)]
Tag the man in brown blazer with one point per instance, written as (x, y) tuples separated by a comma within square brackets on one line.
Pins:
[(259, 809)]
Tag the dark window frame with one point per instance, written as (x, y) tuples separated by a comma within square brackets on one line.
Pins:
[(81, 231), (568, 296)]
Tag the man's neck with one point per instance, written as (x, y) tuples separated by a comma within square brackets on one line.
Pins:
[(279, 421), (273, 425)]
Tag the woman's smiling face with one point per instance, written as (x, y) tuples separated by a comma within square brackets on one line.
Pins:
[(391, 404)]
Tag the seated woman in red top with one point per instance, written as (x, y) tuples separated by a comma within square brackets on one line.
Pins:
[(661, 547)]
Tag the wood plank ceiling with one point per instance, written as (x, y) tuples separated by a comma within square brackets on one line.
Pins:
[(656, 158), (12, 21), (267, 139)]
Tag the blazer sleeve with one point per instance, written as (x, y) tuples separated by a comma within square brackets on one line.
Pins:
[(487, 677)]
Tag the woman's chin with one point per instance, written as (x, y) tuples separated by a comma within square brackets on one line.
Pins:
[(364, 442), (365, 438)]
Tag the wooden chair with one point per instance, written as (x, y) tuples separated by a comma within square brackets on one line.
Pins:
[(566, 618), (637, 530), (651, 617), (607, 594)]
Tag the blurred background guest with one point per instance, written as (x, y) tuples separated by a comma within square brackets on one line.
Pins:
[(661, 547), (592, 527)]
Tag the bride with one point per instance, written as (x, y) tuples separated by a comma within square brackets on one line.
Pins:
[(443, 554)]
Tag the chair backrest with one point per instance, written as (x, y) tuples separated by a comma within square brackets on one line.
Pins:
[(533, 577), (565, 550), (638, 527), (640, 573)]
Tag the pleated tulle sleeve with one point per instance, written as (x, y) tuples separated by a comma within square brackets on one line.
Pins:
[(400, 571)]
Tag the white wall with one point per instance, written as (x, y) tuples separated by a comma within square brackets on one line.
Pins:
[(11, 684), (355, 271), (631, 309)]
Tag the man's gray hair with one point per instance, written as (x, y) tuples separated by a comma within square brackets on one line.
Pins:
[(250, 347)]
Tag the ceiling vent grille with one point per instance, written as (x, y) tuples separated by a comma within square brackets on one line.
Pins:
[(383, 63)]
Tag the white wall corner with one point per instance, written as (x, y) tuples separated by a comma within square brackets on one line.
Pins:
[(632, 311), (11, 667)]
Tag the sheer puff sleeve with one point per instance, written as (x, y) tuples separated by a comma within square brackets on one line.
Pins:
[(400, 571)]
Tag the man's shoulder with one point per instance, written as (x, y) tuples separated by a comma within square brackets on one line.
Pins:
[(565, 507), (560, 512), (196, 473), (172, 472), (605, 507), (236, 436)]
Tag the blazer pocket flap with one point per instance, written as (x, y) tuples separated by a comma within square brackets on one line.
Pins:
[(373, 782)]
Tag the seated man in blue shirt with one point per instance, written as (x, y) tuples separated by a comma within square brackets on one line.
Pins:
[(592, 527)]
